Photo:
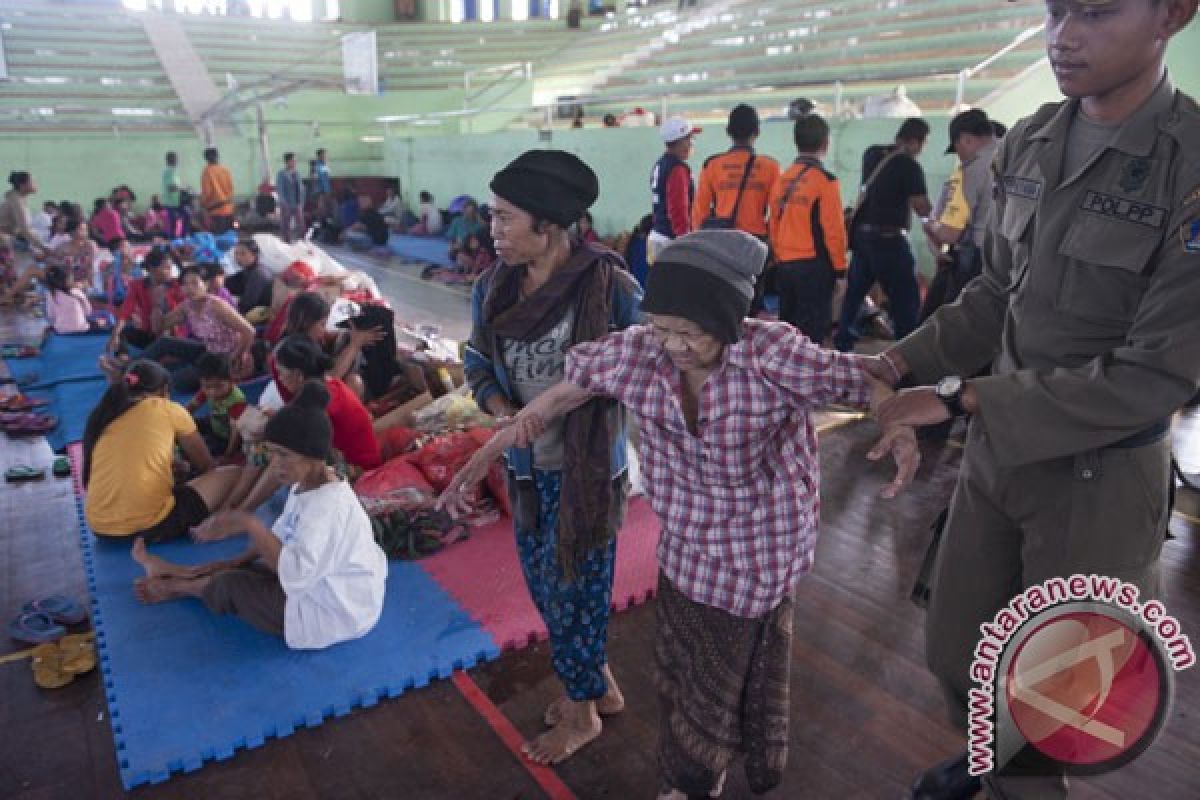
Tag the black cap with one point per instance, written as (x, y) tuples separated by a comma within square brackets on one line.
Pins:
[(973, 121)]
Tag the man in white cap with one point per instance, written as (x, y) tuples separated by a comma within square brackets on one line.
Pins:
[(671, 186)]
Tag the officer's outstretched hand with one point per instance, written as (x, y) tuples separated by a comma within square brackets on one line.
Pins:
[(901, 442), (917, 407)]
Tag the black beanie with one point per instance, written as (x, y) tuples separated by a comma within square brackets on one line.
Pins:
[(302, 426), (551, 184), (707, 277)]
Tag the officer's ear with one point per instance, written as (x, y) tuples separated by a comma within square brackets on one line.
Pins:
[(1179, 14)]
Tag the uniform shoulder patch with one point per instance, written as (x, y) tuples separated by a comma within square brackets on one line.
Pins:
[(1189, 236)]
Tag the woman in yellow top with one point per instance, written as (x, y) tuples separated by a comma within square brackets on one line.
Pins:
[(128, 452)]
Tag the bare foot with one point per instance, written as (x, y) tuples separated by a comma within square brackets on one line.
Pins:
[(580, 724), (155, 566), (613, 702), (160, 590), (675, 794), (606, 706)]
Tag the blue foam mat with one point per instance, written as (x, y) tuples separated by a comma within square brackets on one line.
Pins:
[(72, 402), (185, 687), (430, 249), (63, 358)]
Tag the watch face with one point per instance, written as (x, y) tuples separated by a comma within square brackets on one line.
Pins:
[(949, 386)]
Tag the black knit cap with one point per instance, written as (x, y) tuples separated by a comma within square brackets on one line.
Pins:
[(551, 184), (707, 277), (302, 426)]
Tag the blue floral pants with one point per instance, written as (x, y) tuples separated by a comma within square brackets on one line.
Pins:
[(575, 612)]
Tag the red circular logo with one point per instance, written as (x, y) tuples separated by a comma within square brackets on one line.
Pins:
[(1087, 690)]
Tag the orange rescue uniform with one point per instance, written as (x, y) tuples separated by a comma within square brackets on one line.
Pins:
[(796, 205), (719, 182)]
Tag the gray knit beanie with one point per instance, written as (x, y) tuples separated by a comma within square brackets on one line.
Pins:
[(707, 277)]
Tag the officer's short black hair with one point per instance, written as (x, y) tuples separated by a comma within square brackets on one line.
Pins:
[(172, 158), (288, 157), (811, 133), (743, 122), (210, 155), (913, 129), (320, 152)]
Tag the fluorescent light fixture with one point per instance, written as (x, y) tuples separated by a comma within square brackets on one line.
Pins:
[(371, 139)]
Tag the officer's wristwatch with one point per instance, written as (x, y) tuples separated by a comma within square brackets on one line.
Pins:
[(950, 391)]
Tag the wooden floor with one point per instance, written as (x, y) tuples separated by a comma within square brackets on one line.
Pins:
[(866, 715)]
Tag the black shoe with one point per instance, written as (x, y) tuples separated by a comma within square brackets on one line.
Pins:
[(947, 781)]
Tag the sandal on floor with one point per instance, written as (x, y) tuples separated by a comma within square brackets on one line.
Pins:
[(48, 671), (23, 474), (62, 467), (20, 402), (19, 351), (35, 627), (78, 653), (59, 607), (27, 424)]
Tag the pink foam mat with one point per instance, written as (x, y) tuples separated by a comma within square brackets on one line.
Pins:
[(484, 577)]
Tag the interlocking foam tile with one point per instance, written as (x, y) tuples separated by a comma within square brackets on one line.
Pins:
[(185, 687), (72, 402), (63, 358), (430, 249), (484, 575)]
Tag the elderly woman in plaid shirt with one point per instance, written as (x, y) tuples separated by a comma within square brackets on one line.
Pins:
[(729, 452)]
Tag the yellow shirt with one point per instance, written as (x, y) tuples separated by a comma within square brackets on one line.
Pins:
[(956, 211), (131, 482)]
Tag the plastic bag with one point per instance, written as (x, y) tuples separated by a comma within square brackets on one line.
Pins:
[(442, 457)]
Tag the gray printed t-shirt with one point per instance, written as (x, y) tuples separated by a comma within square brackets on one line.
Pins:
[(533, 367)]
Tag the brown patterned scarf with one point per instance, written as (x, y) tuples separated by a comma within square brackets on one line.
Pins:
[(585, 282)]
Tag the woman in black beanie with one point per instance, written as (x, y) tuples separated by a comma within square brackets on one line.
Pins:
[(291, 581), (547, 293)]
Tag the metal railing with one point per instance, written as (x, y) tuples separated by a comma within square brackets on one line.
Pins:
[(970, 72)]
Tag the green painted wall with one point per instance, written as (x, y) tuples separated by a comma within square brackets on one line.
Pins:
[(1183, 61), (98, 162), (623, 157), (367, 10)]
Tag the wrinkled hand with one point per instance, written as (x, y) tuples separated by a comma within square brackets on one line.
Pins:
[(527, 427), (454, 499), (917, 407), (901, 442), (220, 526), (878, 369)]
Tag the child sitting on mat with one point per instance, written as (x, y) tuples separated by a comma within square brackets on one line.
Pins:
[(317, 578), (225, 404)]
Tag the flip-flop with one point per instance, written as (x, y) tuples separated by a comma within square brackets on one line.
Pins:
[(48, 671), (23, 474), (18, 351), (35, 628), (78, 653), (62, 467), (21, 402), (59, 607), (27, 424)]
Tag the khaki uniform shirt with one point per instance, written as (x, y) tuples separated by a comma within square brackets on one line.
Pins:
[(1089, 301)]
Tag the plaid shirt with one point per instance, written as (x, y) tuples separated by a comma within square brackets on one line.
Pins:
[(739, 504)]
